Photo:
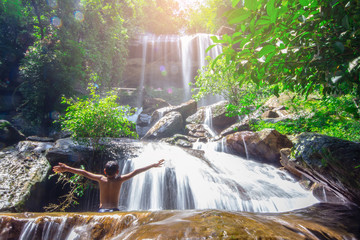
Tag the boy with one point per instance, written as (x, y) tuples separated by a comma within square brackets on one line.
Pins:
[(109, 184)]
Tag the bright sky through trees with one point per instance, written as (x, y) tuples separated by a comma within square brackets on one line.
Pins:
[(190, 3)]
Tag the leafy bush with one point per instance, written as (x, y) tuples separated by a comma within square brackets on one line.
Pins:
[(218, 78), (94, 118), (328, 115)]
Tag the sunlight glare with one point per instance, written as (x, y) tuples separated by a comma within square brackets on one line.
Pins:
[(56, 21), (52, 3), (79, 16)]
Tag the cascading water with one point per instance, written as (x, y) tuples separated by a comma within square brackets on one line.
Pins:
[(173, 61), (218, 181), (208, 121)]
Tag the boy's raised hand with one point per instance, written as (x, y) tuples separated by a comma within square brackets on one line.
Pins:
[(61, 167), (160, 163)]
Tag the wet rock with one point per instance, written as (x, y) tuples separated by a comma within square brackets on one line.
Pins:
[(270, 114), (318, 222), (264, 146), (186, 109), (197, 131), (67, 151), (148, 119), (21, 170), (329, 161), (143, 124), (181, 140), (277, 103), (167, 126), (284, 160), (40, 139), (9, 135), (323, 194), (237, 127), (198, 117), (143, 120), (218, 119)]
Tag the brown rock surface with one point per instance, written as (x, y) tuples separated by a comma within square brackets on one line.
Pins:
[(314, 223), (264, 146)]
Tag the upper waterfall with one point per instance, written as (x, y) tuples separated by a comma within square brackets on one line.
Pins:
[(167, 61)]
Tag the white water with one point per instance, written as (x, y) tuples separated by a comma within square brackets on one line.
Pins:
[(222, 181), (168, 58), (208, 122)]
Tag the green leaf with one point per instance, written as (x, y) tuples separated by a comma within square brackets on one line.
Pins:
[(266, 50), (238, 16), (210, 47), (304, 3), (216, 40), (234, 3), (339, 47), (270, 8), (251, 4)]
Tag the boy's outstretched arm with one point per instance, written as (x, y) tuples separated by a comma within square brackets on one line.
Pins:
[(61, 167), (140, 170)]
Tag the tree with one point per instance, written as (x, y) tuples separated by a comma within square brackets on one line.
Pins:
[(15, 37), (161, 17), (70, 43), (93, 119), (207, 17), (301, 46)]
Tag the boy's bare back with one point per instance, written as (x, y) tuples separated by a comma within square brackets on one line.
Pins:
[(109, 185), (110, 192)]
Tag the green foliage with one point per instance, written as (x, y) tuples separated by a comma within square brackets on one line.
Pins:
[(4, 125), (77, 184), (63, 44), (244, 98), (15, 37), (94, 118), (327, 116), (160, 16), (206, 17), (304, 45)]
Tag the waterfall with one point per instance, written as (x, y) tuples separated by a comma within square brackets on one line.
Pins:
[(245, 147), (219, 181), (208, 121), (169, 61), (143, 67), (186, 60)]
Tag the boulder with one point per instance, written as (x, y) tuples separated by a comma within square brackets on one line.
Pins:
[(219, 119), (197, 131), (9, 135), (277, 103), (22, 169), (143, 124), (213, 115), (40, 139), (167, 126), (270, 114), (185, 109), (263, 146), (197, 118), (180, 140), (67, 151), (327, 160), (237, 127)]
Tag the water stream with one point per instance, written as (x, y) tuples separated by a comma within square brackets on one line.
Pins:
[(173, 60), (218, 180)]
